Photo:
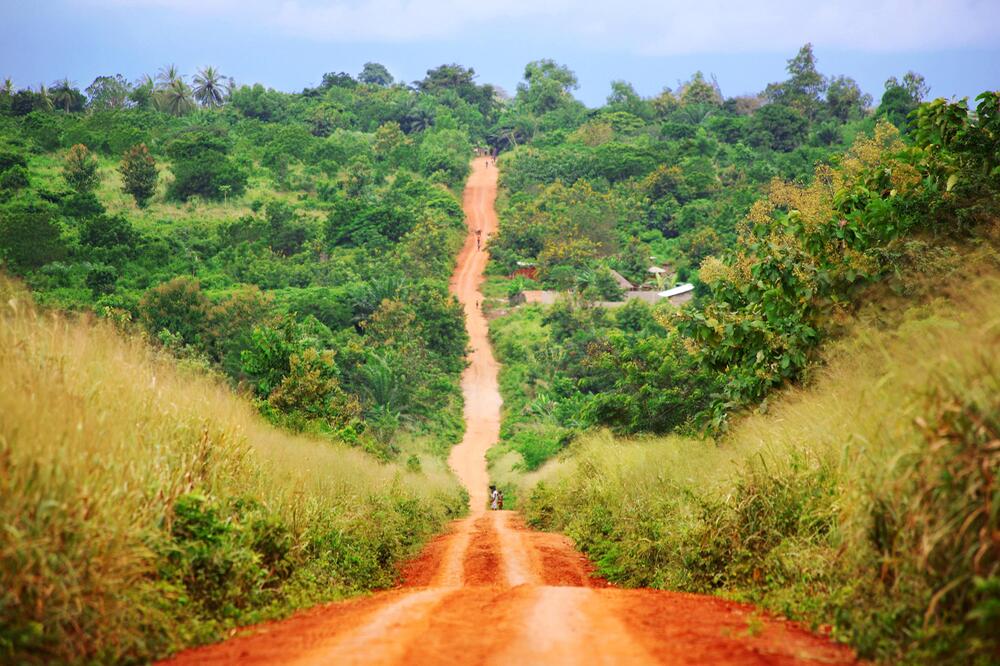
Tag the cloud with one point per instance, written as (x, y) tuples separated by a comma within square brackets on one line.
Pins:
[(650, 27)]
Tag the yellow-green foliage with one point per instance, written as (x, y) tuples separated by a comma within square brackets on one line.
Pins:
[(867, 500), (144, 506)]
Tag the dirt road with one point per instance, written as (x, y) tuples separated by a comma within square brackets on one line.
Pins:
[(491, 591)]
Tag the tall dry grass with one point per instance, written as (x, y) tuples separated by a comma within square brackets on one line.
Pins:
[(99, 437), (868, 501)]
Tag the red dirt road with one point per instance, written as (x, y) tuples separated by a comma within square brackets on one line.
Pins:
[(491, 591)]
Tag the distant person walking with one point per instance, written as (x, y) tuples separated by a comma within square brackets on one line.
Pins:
[(494, 498)]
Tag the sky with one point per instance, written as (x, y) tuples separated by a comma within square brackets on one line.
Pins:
[(289, 44)]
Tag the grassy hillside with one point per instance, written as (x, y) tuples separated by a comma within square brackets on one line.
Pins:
[(866, 501), (146, 507)]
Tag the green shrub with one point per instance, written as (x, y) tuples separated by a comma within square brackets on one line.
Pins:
[(139, 175), (202, 165), (80, 169)]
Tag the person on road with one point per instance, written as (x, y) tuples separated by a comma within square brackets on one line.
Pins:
[(494, 498)]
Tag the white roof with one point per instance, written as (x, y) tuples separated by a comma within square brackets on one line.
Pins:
[(677, 291), (656, 269)]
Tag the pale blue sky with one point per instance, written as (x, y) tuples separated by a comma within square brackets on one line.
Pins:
[(289, 44)]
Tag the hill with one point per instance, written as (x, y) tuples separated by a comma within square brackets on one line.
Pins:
[(146, 507)]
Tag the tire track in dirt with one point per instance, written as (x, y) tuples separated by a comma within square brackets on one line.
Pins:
[(490, 591)]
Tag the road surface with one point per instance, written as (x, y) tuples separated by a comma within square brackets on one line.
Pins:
[(490, 591)]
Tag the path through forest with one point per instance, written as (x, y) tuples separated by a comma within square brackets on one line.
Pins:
[(491, 591)]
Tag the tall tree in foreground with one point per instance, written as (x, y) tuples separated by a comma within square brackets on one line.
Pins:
[(138, 170), (210, 88)]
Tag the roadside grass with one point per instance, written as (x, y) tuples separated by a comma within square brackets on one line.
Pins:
[(867, 501), (529, 432), (145, 507)]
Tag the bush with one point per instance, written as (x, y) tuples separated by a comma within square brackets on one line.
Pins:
[(14, 178), (80, 169), (202, 166), (101, 279), (139, 175), (177, 306), (30, 236)]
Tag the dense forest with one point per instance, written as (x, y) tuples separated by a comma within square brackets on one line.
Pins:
[(672, 182), (300, 244), (296, 248)]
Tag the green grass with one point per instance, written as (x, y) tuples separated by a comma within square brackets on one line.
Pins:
[(145, 507), (866, 500), (529, 434), (46, 172)]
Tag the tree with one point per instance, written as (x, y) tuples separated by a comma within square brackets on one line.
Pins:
[(914, 85), (30, 236), (23, 102), (900, 99), (388, 141), (80, 169), (43, 100), (66, 96), (167, 76), (546, 86), (777, 127), (258, 102), (337, 80), (623, 97), (142, 93), (175, 98), (375, 74), (139, 175), (202, 166), (209, 88), (109, 92), (461, 81), (803, 88), (108, 231), (845, 99), (101, 279), (699, 91), (178, 306)]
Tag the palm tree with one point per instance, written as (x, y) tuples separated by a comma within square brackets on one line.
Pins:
[(167, 76), (62, 93), (418, 120), (209, 88), (175, 98), (44, 99), (8, 87)]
